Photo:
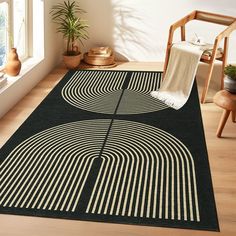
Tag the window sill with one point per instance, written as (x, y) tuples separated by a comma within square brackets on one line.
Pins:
[(27, 66)]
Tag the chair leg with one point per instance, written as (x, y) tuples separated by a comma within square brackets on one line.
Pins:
[(224, 61), (234, 116), (211, 65), (207, 82), (222, 123)]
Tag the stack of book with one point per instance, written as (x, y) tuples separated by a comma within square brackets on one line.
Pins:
[(3, 80), (99, 56)]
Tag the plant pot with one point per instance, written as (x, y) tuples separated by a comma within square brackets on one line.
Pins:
[(72, 62), (13, 65), (229, 84)]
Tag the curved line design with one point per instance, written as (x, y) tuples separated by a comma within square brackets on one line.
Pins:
[(48, 171), (136, 98), (145, 82), (95, 91), (135, 102), (100, 92), (147, 173)]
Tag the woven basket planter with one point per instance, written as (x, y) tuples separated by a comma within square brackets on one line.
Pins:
[(99, 60)]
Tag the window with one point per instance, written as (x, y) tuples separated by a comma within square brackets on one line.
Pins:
[(19, 27), (3, 31), (13, 25)]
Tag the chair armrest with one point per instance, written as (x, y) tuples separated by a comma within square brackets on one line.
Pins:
[(183, 21), (227, 31)]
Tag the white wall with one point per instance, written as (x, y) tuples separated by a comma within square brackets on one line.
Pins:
[(138, 29), (52, 56)]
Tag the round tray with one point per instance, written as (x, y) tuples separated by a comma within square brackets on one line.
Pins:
[(85, 65), (98, 60)]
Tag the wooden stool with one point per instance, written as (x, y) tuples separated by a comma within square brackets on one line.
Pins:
[(227, 101)]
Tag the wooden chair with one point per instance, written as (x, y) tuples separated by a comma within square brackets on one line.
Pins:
[(228, 21)]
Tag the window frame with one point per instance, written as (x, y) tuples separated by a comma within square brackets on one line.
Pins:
[(7, 34), (10, 31)]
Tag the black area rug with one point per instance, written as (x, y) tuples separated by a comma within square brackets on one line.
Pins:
[(100, 148)]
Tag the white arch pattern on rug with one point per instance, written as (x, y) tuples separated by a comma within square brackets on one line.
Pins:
[(37, 173), (101, 91), (94, 91), (48, 171), (134, 157)]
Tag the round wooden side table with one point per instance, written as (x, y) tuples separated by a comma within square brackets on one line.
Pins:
[(227, 101)]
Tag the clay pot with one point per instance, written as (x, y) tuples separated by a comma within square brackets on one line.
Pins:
[(230, 84), (72, 62), (13, 65)]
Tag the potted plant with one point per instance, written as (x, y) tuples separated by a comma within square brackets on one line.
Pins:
[(73, 29), (230, 78)]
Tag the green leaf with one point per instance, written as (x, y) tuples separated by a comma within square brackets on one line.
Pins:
[(230, 71), (70, 25)]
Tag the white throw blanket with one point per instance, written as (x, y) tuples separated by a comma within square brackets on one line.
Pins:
[(180, 74)]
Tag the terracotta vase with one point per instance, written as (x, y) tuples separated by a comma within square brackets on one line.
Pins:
[(13, 65)]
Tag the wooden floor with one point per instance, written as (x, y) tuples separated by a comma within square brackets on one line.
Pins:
[(222, 157)]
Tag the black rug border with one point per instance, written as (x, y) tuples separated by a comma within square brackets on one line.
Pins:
[(103, 219), (161, 223)]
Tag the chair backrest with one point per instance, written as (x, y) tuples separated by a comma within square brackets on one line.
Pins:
[(214, 18)]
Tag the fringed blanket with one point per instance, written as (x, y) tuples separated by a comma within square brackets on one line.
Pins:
[(180, 74)]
